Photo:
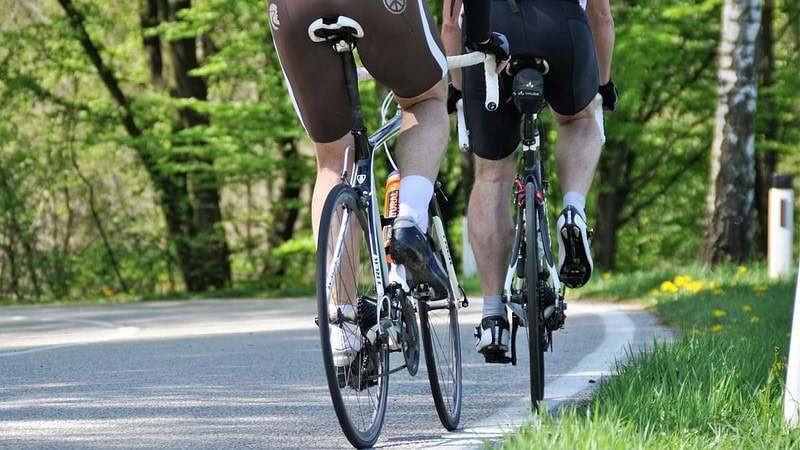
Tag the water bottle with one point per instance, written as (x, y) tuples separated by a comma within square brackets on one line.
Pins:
[(391, 206)]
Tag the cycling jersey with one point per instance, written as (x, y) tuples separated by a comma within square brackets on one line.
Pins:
[(401, 48), (556, 30)]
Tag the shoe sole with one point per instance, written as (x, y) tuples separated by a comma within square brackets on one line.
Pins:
[(574, 274)]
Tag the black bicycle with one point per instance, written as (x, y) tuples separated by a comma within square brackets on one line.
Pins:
[(359, 299), (532, 289)]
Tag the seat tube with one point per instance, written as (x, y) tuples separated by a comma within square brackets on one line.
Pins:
[(359, 130), (530, 143)]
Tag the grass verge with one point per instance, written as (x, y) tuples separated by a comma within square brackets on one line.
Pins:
[(720, 385)]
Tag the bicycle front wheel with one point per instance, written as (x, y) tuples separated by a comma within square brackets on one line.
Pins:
[(441, 338), (356, 362), (535, 324)]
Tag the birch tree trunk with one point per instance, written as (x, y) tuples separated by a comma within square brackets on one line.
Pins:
[(729, 205)]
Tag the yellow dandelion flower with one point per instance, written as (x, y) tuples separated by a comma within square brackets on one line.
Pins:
[(741, 270), (694, 286), (669, 286), (720, 313), (718, 291), (778, 366), (108, 292), (654, 293), (732, 284), (681, 280), (754, 319), (715, 417), (760, 288), (716, 328), (212, 288), (747, 308), (607, 276)]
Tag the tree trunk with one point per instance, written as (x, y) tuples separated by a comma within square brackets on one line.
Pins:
[(767, 160), (207, 264), (729, 215), (613, 197), (189, 200)]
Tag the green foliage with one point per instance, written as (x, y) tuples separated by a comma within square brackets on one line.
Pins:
[(85, 202)]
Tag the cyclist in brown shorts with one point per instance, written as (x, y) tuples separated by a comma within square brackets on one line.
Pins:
[(578, 46), (402, 49)]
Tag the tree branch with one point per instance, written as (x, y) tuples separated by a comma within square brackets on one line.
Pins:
[(77, 19)]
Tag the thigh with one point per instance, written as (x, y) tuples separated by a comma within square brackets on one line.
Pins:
[(492, 134), (401, 47), (313, 71)]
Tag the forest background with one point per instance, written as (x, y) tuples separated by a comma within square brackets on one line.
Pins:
[(150, 148)]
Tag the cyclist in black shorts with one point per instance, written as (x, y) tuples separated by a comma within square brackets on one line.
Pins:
[(402, 49), (577, 44)]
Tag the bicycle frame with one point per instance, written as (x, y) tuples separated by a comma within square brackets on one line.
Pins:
[(530, 170)]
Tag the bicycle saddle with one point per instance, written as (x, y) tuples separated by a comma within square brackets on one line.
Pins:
[(333, 28)]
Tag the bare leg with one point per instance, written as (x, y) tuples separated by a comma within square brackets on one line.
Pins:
[(577, 150), (491, 228), (423, 138), (330, 164)]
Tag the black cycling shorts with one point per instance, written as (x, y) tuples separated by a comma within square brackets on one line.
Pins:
[(556, 30), (401, 48)]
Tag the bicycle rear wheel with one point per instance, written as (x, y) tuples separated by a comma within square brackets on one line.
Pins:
[(441, 338), (357, 377), (535, 324)]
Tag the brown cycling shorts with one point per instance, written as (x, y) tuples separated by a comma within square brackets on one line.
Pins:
[(401, 48)]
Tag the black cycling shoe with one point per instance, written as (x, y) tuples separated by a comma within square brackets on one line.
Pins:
[(411, 248), (574, 257), (493, 336)]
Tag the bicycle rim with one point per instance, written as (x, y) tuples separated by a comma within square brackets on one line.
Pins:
[(441, 338), (344, 281), (535, 325)]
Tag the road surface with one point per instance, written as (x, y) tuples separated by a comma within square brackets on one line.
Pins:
[(247, 374)]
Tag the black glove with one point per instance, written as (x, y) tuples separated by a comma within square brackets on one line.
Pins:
[(609, 93), (497, 45), (453, 96)]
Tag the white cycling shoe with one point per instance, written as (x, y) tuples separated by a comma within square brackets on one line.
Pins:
[(346, 342), (574, 256)]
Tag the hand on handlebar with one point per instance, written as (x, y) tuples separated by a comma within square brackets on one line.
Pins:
[(497, 45), (453, 96), (610, 95)]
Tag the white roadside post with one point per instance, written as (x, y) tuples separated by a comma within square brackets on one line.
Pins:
[(791, 394), (779, 227), (779, 252)]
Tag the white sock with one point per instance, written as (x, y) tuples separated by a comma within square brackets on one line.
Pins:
[(493, 306), (577, 201), (416, 192)]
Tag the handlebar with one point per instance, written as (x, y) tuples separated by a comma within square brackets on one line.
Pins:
[(467, 59)]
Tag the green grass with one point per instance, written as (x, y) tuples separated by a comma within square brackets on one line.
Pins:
[(719, 385)]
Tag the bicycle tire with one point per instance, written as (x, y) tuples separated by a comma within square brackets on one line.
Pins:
[(441, 340), (345, 283), (535, 325)]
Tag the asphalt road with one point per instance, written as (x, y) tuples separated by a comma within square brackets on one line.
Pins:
[(247, 374)]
